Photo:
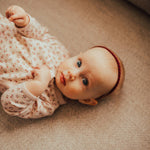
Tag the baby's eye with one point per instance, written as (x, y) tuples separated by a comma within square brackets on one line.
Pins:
[(79, 63), (85, 81)]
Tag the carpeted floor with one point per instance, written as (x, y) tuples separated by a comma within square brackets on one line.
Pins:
[(117, 123)]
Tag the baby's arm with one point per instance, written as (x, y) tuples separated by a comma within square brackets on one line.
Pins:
[(27, 25), (23, 99), (18, 101), (40, 82)]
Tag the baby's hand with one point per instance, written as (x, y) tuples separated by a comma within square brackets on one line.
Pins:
[(17, 15), (42, 74), (41, 79)]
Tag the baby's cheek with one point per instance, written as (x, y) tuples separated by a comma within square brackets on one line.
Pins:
[(73, 91)]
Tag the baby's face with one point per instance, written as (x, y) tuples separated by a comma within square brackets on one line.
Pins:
[(87, 75)]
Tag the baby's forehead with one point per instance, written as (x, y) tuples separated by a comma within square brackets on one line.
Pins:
[(95, 57), (100, 57), (100, 63), (93, 54)]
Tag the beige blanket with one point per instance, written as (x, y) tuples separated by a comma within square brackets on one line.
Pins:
[(117, 123)]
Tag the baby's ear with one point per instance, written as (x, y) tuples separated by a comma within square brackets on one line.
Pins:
[(91, 101)]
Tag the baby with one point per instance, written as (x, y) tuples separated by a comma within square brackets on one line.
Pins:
[(37, 75)]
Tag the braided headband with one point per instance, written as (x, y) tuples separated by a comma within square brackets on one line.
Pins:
[(119, 70)]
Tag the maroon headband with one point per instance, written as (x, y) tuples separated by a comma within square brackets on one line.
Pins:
[(119, 70)]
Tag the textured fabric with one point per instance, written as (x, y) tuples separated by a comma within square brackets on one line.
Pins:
[(21, 50), (18, 101), (120, 122), (142, 4)]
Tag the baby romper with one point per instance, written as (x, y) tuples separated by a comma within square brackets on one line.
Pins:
[(21, 49)]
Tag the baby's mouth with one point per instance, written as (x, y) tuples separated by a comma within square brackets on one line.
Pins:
[(62, 79)]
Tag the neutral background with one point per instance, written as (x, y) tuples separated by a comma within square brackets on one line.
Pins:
[(117, 123)]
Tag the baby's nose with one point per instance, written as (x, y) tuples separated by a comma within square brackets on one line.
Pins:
[(72, 75)]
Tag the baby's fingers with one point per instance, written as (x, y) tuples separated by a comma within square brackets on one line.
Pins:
[(34, 73), (8, 14), (10, 11), (15, 16), (36, 67)]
